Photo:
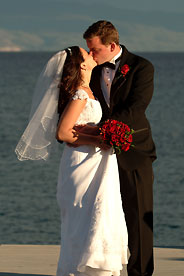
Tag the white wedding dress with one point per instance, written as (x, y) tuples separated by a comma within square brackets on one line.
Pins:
[(93, 230)]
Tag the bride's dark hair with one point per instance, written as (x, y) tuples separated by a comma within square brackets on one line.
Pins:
[(71, 77)]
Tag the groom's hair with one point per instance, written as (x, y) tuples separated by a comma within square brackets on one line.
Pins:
[(105, 30)]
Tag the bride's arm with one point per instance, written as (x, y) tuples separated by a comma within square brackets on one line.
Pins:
[(66, 130)]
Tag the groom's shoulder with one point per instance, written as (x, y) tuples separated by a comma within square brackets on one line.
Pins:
[(140, 60), (143, 61)]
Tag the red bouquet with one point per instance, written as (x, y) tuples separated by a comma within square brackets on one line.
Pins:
[(117, 134)]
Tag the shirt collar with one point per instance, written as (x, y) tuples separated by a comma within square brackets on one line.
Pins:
[(113, 60)]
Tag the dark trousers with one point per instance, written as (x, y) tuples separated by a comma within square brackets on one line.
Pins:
[(137, 197)]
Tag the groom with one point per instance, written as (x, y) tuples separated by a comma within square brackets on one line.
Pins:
[(123, 83)]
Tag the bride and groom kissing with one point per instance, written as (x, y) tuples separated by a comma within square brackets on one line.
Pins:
[(103, 196)]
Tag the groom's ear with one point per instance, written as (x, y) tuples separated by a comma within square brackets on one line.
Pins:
[(113, 46)]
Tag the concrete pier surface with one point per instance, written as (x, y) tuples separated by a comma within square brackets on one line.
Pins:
[(34, 260)]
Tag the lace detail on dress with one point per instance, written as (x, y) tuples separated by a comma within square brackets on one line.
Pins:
[(92, 111), (80, 94)]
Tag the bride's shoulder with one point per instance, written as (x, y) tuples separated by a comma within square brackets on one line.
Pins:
[(80, 94)]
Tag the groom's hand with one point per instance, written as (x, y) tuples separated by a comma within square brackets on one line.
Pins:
[(73, 145), (87, 129)]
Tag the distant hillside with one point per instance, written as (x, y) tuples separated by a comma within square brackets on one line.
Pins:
[(28, 25)]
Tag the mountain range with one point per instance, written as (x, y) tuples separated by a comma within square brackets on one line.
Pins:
[(53, 25)]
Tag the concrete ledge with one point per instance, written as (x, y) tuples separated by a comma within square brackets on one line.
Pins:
[(41, 260)]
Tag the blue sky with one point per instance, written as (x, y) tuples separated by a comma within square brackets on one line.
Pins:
[(144, 25), (144, 5)]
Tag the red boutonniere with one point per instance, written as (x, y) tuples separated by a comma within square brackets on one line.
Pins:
[(124, 69)]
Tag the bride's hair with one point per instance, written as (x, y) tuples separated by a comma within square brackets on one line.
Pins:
[(71, 77)]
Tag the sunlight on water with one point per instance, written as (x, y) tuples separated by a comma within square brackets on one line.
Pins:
[(29, 212)]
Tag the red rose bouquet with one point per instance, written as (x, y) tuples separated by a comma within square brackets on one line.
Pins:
[(117, 134)]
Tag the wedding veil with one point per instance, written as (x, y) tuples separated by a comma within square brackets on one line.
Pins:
[(39, 135)]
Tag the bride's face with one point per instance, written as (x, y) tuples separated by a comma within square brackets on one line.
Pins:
[(89, 62)]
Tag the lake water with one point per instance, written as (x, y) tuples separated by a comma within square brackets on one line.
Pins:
[(28, 208)]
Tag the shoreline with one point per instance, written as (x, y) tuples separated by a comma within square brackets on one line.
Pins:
[(34, 260)]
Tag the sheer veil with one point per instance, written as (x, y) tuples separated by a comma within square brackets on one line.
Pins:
[(39, 136)]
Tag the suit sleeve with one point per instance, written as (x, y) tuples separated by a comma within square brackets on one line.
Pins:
[(140, 90)]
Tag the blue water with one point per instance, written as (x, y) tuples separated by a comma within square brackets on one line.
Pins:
[(28, 208)]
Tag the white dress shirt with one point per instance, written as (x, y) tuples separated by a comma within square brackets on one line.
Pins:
[(107, 77)]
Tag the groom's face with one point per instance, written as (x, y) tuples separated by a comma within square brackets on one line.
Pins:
[(100, 52)]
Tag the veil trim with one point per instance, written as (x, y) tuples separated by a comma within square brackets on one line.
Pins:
[(38, 139)]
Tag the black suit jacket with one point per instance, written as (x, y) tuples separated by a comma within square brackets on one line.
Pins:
[(129, 98)]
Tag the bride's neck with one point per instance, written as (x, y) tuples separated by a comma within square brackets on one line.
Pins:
[(86, 76)]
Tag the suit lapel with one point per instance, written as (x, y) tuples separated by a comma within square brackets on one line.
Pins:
[(95, 85), (119, 80)]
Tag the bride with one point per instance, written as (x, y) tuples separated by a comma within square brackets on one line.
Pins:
[(93, 229)]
